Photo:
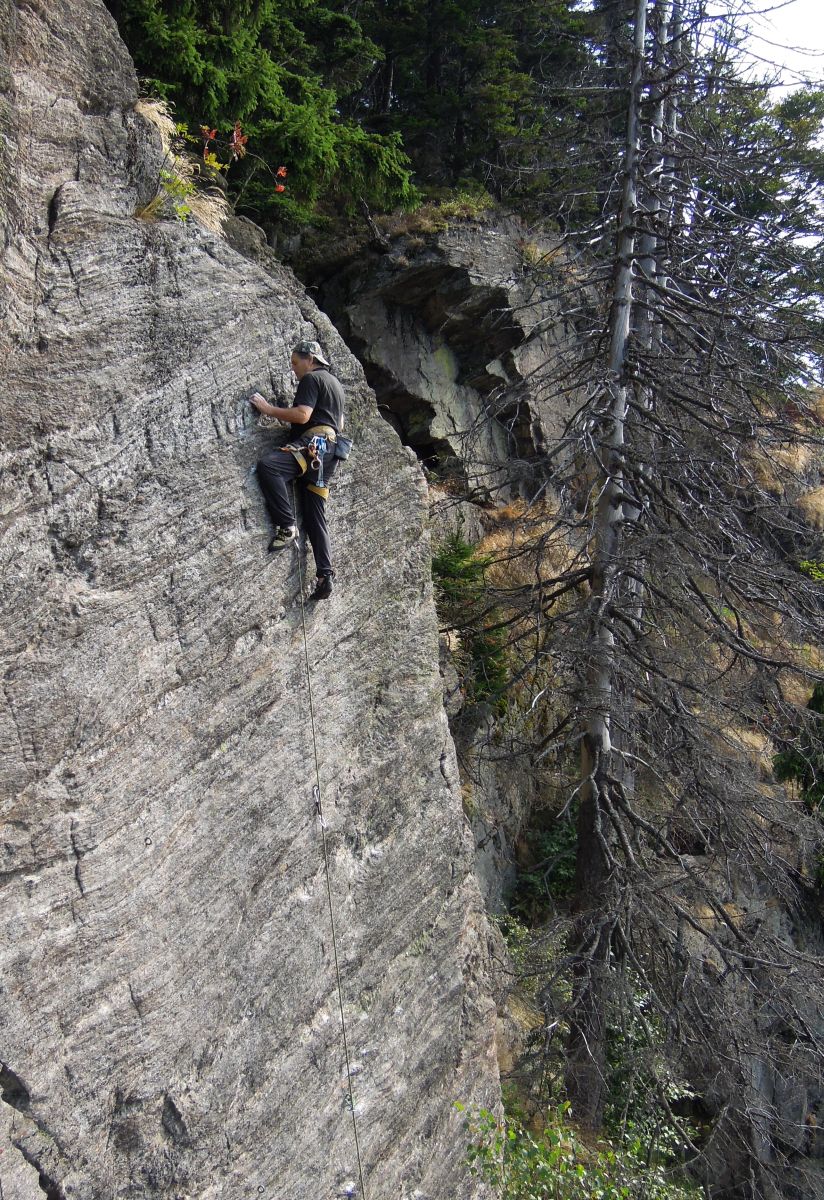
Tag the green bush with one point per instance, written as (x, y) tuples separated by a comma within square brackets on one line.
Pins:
[(814, 569), (464, 604), (557, 1165), (642, 1087), (803, 763), (551, 878)]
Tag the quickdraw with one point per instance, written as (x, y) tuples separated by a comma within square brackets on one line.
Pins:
[(315, 450), (318, 806)]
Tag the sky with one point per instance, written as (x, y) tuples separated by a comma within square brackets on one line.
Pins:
[(789, 33)]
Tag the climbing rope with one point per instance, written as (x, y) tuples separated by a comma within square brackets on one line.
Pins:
[(319, 810)]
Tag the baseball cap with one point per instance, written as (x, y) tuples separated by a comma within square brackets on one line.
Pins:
[(312, 348)]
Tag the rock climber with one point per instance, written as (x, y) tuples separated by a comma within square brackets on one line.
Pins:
[(316, 416)]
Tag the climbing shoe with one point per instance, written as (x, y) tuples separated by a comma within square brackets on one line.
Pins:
[(323, 588), (283, 537)]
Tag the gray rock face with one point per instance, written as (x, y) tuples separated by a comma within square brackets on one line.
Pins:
[(460, 336), (169, 1016)]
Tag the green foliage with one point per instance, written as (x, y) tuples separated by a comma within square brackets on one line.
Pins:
[(464, 604), (552, 847), (459, 574), (516, 97), (557, 1165), (175, 189), (473, 86), (761, 222), (179, 190), (803, 763), (642, 1088), (466, 204), (276, 68), (815, 570), (518, 939)]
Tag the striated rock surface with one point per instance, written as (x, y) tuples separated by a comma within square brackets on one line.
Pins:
[(169, 1019)]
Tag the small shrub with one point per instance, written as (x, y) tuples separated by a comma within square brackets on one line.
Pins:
[(803, 763), (531, 253), (464, 604), (557, 1165), (551, 877), (466, 206), (176, 184), (518, 939), (434, 215), (175, 190), (642, 1087), (815, 570)]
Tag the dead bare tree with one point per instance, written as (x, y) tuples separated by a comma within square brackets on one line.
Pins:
[(678, 675)]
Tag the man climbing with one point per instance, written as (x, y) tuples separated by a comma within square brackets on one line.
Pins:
[(309, 457)]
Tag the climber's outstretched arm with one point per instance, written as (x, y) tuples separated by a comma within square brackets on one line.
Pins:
[(298, 414)]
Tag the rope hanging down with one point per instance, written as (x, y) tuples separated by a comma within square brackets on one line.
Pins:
[(319, 808)]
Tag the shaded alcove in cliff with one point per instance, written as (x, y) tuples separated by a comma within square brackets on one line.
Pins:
[(496, 450), (410, 417), (458, 332)]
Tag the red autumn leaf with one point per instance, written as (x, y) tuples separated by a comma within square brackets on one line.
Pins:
[(237, 142), (208, 135)]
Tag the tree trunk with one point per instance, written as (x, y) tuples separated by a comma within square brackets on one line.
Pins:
[(596, 891)]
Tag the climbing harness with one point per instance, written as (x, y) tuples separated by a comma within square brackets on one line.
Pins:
[(309, 451), (316, 796)]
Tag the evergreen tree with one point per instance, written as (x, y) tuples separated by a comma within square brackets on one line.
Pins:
[(275, 67), (475, 87)]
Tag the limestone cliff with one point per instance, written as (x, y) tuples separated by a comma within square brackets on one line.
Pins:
[(169, 1019)]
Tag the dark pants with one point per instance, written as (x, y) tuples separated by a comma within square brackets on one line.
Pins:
[(275, 472)]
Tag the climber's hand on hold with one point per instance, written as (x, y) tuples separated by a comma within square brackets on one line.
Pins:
[(295, 414), (260, 403)]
